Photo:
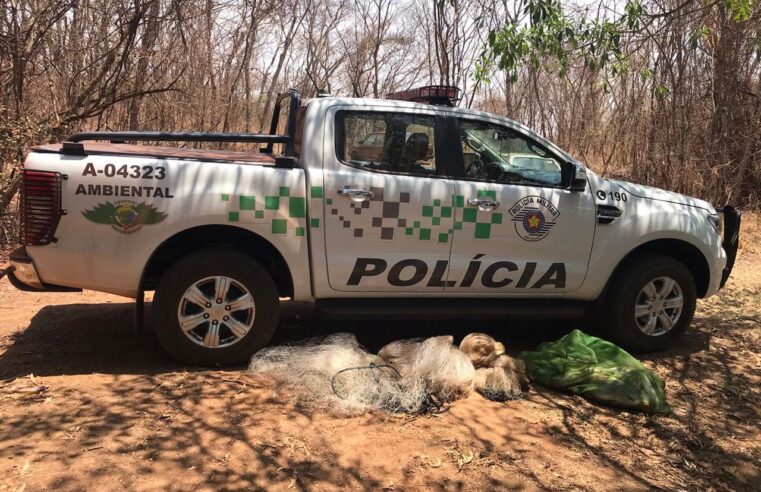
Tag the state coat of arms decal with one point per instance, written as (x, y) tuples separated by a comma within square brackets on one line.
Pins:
[(125, 216)]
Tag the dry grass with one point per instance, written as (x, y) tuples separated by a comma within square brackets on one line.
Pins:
[(750, 233)]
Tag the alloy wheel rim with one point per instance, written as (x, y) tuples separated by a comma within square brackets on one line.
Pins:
[(659, 306), (216, 312)]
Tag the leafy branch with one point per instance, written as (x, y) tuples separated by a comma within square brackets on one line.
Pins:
[(544, 30)]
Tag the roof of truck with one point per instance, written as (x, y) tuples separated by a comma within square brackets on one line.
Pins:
[(396, 103), (166, 152)]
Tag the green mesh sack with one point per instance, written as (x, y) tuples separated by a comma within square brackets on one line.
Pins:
[(598, 370)]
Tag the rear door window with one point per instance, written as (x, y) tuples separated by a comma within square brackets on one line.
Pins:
[(391, 142)]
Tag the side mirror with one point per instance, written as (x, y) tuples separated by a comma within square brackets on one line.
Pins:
[(578, 178)]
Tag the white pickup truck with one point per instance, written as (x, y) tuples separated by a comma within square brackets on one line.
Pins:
[(445, 212)]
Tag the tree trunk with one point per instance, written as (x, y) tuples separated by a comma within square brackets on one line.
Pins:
[(146, 50)]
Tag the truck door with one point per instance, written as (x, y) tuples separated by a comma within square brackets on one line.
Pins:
[(518, 230), (388, 216)]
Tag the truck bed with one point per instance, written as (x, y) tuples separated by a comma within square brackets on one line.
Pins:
[(124, 149)]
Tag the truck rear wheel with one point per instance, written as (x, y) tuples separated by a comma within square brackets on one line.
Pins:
[(651, 303), (215, 307)]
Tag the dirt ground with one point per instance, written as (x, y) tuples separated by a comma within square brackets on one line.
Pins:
[(85, 403)]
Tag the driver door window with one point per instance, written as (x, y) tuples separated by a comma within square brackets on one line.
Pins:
[(501, 155)]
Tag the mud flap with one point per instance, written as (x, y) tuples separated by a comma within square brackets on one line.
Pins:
[(731, 239)]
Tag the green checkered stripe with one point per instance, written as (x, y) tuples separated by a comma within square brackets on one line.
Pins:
[(467, 218), (388, 217), (433, 214), (316, 193), (472, 218), (269, 209)]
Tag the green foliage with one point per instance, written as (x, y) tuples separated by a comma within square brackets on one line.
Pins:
[(698, 34), (740, 10), (546, 31)]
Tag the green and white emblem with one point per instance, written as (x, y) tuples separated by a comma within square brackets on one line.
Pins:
[(125, 216)]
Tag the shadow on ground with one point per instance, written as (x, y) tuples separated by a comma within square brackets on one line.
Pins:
[(138, 418), (87, 338), (149, 422)]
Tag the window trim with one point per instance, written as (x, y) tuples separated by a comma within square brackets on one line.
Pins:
[(443, 166), (459, 167)]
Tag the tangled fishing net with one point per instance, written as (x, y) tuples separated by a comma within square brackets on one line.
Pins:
[(497, 384), (336, 373), (498, 376), (447, 372), (410, 376)]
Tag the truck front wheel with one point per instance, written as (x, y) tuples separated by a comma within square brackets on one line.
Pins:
[(215, 307), (651, 303)]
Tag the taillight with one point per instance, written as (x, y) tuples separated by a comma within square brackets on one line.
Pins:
[(40, 207)]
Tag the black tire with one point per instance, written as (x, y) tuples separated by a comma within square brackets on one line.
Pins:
[(620, 324), (187, 272)]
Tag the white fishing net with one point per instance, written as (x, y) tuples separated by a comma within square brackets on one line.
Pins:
[(497, 384), (336, 373), (498, 376), (447, 372)]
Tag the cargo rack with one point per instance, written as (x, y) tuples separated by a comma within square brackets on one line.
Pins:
[(73, 143)]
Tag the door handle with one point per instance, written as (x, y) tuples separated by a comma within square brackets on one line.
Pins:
[(356, 194), (483, 204)]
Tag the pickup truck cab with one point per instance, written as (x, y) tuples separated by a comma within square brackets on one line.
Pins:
[(458, 213)]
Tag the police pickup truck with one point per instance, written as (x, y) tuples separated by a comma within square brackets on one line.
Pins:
[(444, 213)]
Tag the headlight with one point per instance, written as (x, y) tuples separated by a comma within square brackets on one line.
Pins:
[(717, 221)]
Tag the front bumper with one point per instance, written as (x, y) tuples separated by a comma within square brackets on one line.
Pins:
[(731, 240), (23, 275)]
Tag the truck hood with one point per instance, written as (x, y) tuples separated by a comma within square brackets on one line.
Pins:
[(663, 195)]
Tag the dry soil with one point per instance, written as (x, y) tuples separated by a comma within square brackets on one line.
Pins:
[(85, 403)]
